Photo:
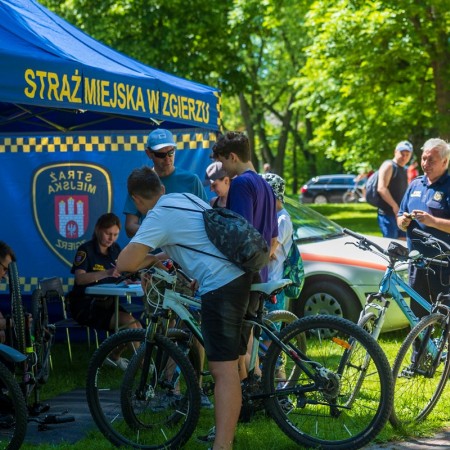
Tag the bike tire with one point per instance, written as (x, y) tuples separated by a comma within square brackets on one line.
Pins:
[(161, 407), (320, 417), (13, 411), (16, 307), (417, 390), (103, 382), (43, 336)]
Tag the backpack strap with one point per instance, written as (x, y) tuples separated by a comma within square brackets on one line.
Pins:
[(201, 251), (193, 210)]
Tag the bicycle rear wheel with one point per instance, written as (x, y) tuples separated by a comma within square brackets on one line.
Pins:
[(315, 411), (418, 382), (13, 411), (104, 380)]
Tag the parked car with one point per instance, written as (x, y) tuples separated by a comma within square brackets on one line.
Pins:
[(338, 276), (326, 188)]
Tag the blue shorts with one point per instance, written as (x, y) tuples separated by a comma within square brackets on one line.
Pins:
[(389, 228), (223, 312)]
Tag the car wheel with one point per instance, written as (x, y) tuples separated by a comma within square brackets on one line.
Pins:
[(320, 199), (328, 298)]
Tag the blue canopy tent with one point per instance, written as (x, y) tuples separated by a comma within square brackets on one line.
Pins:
[(74, 116)]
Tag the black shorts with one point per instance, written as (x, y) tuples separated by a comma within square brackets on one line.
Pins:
[(223, 312)]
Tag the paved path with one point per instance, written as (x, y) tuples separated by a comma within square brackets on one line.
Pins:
[(441, 441), (75, 404)]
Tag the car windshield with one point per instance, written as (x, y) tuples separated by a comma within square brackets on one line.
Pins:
[(309, 225)]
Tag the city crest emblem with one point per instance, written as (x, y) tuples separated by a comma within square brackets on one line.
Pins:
[(67, 200)]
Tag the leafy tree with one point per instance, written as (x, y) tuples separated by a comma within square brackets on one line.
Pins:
[(377, 72)]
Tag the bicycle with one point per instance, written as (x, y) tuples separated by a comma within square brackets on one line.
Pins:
[(33, 336), (415, 407), (354, 195), (103, 383), (158, 405), (13, 409)]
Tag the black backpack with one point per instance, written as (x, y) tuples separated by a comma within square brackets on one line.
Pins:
[(372, 196), (232, 235)]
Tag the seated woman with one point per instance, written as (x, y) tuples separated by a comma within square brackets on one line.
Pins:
[(95, 263)]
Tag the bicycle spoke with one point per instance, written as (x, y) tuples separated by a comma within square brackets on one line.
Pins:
[(318, 412)]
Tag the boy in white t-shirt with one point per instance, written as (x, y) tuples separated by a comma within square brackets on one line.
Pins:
[(223, 287)]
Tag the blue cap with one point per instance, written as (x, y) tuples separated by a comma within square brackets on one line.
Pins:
[(159, 139)]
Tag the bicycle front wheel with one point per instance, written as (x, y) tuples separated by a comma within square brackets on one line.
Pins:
[(419, 377), (315, 411), (161, 405), (105, 377), (13, 411)]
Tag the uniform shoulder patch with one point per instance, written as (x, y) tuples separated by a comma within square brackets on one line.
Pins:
[(80, 257)]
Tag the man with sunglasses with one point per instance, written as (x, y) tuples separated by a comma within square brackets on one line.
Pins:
[(161, 150), (6, 257)]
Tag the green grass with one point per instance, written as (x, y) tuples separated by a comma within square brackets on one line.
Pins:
[(261, 432)]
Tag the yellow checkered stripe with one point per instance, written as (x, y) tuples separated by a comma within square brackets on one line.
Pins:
[(28, 285), (196, 139)]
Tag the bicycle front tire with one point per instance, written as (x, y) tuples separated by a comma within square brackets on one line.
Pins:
[(13, 412), (104, 380), (321, 417), (417, 386)]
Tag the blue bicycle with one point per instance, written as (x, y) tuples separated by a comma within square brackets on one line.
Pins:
[(420, 369)]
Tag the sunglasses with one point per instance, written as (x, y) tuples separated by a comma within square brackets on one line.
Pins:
[(163, 155), (5, 268)]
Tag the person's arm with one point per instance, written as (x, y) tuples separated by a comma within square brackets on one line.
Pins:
[(384, 178), (132, 224), (431, 221), (134, 257), (83, 278)]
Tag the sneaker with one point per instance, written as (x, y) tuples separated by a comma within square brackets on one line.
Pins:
[(121, 363), (208, 437), (205, 402)]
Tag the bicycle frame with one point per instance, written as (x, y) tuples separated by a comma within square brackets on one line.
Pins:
[(389, 287), (178, 303)]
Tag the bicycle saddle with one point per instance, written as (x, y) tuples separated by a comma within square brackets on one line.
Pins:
[(270, 287)]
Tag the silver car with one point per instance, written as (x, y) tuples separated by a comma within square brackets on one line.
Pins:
[(338, 276)]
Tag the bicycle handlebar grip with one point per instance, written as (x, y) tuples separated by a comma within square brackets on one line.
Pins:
[(352, 233), (422, 233), (437, 262)]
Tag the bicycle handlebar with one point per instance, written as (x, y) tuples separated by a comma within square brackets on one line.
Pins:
[(366, 241), (430, 238)]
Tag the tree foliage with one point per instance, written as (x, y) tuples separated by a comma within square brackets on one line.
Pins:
[(376, 73), (319, 85)]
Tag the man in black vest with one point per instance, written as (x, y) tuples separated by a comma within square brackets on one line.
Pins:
[(392, 184)]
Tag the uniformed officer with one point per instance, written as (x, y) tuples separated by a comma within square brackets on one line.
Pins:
[(426, 205)]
